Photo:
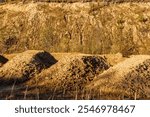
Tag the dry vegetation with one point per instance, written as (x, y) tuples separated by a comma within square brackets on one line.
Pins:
[(110, 36), (78, 27)]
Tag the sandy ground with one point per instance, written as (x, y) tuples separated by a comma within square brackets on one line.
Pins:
[(75, 76)]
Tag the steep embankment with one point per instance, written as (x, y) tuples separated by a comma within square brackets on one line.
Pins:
[(77, 27)]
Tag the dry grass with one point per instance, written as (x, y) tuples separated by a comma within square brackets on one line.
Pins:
[(79, 27)]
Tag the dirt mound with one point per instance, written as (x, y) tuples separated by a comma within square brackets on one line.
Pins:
[(25, 65), (3, 60), (72, 72), (128, 79)]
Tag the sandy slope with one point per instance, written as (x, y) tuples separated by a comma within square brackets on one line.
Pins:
[(81, 76), (129, 78)]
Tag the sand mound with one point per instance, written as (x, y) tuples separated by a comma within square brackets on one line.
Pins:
[(25, 65), (3, 60), (128, 79), (73, 72)]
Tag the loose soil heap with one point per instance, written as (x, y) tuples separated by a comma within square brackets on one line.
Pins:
[(25, 65), (129, 79), (71, 72)]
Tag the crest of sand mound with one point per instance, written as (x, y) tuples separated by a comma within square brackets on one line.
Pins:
[(127, 79), (25, 65), (3, 60), (72, 72)]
